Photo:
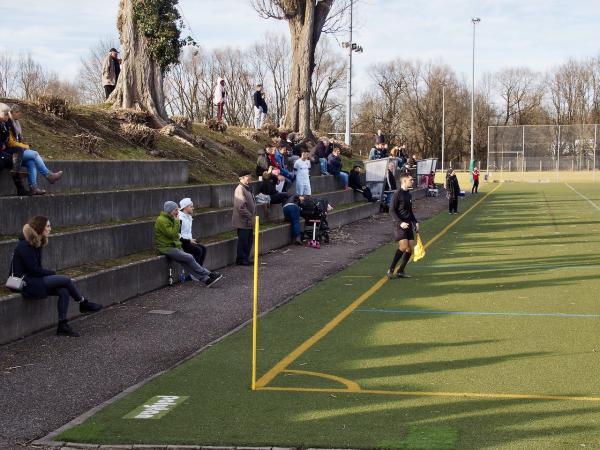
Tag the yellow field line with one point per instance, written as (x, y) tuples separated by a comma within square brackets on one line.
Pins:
[(436, 394), (351, 386), (281, 365)]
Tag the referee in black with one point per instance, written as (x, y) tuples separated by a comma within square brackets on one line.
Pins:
[(405, 226)]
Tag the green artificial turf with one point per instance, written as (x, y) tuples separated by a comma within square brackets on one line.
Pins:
[(504, 303)]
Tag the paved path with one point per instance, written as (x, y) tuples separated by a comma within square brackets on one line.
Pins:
[(46, 381)]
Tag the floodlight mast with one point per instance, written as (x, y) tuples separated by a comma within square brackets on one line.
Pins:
[(475, 21)]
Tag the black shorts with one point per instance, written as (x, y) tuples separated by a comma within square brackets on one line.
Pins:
[(401, 234)]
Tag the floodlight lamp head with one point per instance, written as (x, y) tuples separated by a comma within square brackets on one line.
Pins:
[(475, 20)]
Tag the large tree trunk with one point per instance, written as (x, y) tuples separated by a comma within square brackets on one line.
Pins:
[(140, 83), (305, 30)]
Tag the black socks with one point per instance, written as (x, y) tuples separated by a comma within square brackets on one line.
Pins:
[(397, 257), (405, 258)]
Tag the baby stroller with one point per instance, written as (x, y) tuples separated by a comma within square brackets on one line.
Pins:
[(316, 228)]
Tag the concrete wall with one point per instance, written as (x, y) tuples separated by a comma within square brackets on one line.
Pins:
[(19, 317), (107, 175), (68, 210)]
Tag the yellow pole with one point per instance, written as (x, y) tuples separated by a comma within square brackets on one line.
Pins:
[(255, 304)]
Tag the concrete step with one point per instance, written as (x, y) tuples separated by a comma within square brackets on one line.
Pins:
[(92, 176), (142, 274), (89, 208), (102, 242)]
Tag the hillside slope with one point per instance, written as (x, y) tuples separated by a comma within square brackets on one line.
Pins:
[(220, 157)]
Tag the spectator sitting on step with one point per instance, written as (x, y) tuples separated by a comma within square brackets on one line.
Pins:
[(375, 152), (188, 243), (302, 168), (167, 229), (268, 187), (319, 154), (40, 282), (356, 184), (6, 162), (291, 212), (262, 161), (29, 158), (281, 158), (271, 149), (389, 184), (383, 151), (334, 167)]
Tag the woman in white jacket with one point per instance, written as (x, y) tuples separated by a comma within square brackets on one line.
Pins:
[(219, 98)]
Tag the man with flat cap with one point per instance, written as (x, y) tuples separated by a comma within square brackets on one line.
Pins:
[(244, 210), (111, 68)]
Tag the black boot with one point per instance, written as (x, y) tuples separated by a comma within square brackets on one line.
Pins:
[(64, 329), (21, 191), (87, 306)]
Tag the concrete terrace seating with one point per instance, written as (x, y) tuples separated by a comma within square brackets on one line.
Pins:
[(112, 230)]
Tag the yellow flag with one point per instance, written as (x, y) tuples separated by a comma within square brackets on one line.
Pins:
[(419, 251)]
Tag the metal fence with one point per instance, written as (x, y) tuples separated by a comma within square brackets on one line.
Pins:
[(541, 148)]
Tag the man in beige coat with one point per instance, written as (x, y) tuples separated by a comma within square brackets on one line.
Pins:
[(111, 67), (244, 210)]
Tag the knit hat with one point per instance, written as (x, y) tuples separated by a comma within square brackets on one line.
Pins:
[(185, 203), (38, 223), (170, 206)]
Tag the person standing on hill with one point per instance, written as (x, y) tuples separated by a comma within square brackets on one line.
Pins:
[(244, 210), (379, 137), (260, 107), (475, 175), (220, 98), (452, 189), (405, 226), (111, 68)]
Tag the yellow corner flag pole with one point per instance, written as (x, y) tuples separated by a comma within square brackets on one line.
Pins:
[(255, 304)]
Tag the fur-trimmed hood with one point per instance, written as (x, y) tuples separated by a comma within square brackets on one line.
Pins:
[(33, 238)]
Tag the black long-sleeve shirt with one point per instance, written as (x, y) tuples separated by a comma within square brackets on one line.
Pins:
[(401, 207)]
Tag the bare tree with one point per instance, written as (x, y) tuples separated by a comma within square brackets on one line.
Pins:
[(90, 73), (306, 20), (521, 93), (328, 78), (32, 78), (7, 74), (271, 62)]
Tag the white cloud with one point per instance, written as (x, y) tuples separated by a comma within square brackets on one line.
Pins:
[(535, 33)]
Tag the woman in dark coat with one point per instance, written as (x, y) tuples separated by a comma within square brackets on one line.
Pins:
[(40, 282), (453, 189)]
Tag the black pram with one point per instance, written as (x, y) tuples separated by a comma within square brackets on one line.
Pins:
[(312, 210)]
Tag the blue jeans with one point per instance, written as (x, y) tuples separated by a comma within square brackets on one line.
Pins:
[(291, 212), (344, 177), (323, 166), (34, 164)]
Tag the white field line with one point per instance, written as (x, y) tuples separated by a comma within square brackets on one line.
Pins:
[(583, 196)]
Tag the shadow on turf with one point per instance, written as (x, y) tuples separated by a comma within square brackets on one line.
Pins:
[(479, 423)]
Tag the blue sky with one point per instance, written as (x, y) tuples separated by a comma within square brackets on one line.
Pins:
[(538, 34)]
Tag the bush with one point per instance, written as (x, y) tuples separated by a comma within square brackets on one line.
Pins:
[(139, 134), (167, 130), (212, 124), (89, 143), (183, 122), (54, 105), (270, 129), (251, 134), (132, 116), (232, 143)]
